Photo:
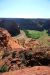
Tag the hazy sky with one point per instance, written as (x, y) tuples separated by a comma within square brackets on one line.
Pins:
[(25, 8)]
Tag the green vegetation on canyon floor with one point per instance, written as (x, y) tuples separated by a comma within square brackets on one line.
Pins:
[(41, 36)]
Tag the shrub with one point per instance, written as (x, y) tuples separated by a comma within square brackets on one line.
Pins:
[(4, 68), (14, 54), (33, 34)]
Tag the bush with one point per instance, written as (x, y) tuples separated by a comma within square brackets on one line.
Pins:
[(33, 34), (4, 68), (14, 54), (27, 33)]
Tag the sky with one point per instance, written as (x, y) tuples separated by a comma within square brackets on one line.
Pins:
[(24, 8)]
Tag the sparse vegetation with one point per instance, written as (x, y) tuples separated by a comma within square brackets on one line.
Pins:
[(13, 54), (4, 68)]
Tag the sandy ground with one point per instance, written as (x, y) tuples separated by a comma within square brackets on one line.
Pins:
[(21, 35)]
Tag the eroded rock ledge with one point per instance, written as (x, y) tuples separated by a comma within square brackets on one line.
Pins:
[(37, 70), (6, 41)]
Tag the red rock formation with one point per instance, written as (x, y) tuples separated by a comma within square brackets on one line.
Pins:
[(37, 70), (7, 41), (31, 43)]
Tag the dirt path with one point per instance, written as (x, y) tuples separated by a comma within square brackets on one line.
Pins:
[(21, 35)]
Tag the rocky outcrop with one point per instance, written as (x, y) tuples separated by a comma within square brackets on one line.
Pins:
[(31, 44), (6, 41)]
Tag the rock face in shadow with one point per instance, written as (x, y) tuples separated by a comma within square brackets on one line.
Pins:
[(12, 27), (4, 37)]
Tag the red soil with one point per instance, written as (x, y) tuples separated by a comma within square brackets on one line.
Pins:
[(37, 70)]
